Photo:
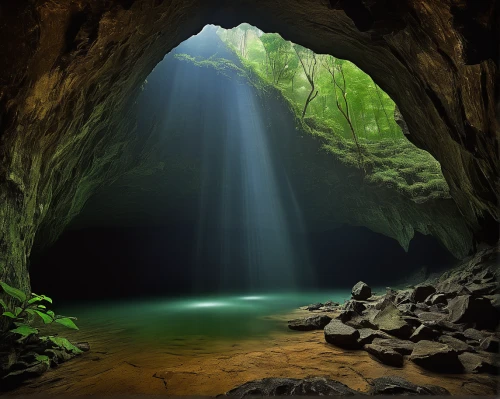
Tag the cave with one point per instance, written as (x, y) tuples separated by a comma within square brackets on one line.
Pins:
[(249, 198)]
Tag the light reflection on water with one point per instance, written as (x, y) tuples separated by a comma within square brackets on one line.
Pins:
[(210, 318)]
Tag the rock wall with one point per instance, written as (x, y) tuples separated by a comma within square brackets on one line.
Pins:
[(70, 72)]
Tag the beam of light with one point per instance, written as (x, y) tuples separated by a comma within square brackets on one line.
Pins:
[(247, 209)]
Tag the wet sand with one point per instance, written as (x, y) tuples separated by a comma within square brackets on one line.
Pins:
[(199, 366)]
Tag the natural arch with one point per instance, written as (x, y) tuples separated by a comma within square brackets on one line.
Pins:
[(71, 72)]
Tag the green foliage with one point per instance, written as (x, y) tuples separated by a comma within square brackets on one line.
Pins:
[(24, 311)]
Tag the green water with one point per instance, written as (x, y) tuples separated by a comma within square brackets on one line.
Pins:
[(210, 317)]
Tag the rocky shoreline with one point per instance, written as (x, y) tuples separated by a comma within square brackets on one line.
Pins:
[(445, 325)]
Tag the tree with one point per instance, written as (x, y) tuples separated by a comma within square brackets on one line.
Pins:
[(334, 66), (280, 57), (309, 64)]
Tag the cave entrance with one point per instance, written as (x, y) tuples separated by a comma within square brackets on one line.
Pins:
[(250, 145), (257, 155), (260, 154)]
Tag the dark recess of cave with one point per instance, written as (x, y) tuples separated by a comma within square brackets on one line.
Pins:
[(112, 263)]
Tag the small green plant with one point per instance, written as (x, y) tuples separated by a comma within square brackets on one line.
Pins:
[(25, 309)]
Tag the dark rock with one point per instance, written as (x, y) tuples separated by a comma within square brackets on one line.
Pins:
[(434, 299), (292, 387), (407, 308), (477, 363), (390, 321), (438, 308), (361, 291), (490, 344), (355, 306), (14, 378), (421, 292), (309, 323), (399, 386), (401, 346), (59, 355), (339, 334), (412, 321), (314, 306), (444, 325), (367, 335), (83, 346), (436, 356), (475, 335), (424, 333), (359, 322), (483, 288), (431, 316), (495, 301), (455, 344), (477, 310), (385, 354), (403, 297), (422, 307)]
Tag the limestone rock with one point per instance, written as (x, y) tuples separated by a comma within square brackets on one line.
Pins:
[(477, 363), (315, 306), (423, 333), (390, 321), (436, 356), (401, 346), (367, 335), (421, 292), (339, 334), (361, 291), (476, 310), (490, 344), (385, 354), (309, 323), (456, 344)]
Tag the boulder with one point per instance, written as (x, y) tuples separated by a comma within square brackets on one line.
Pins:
[(421, 292), (367, 335), (490, 344), (424, 333), (393, 385), (390, 321), (476, 310), (385, 354), (403, 297), (361, 291), (407, 308), (314, 306), (309, 323), (475, 335), (483, 288), (339, 334), (455, 344), (292, 387), (431, 316), (83, 346), (436, 356), (434, 299), (477, 363), (401, 346), (355, 306)]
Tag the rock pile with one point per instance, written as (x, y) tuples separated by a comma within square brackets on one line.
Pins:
[(446, 325)]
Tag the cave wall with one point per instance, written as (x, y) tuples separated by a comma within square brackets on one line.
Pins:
[(70, 73)]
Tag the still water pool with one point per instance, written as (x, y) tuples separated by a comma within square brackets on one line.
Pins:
[(212, 317)]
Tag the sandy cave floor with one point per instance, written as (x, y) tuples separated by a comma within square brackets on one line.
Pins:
[(202, 367)]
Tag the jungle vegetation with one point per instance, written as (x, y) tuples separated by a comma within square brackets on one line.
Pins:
[(337, 103)]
